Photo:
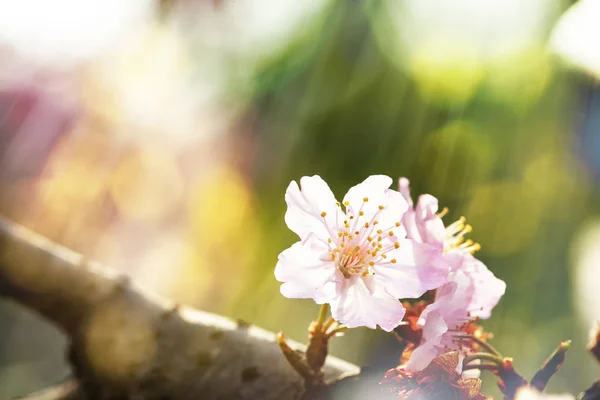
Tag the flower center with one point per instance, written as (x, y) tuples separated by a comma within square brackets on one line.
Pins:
[(358, 243), (455, 235)]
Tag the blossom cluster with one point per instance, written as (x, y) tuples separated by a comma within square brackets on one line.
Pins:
[(375, 247)]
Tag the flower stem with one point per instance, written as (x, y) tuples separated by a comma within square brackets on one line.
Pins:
[(481, 367), (482, 343), (483, 356), (322, 315)]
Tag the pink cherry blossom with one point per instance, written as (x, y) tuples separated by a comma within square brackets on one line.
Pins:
[(472, 291), (356, 258), (442, 321), (424, 224)]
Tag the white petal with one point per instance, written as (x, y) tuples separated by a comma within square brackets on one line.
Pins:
[(374, 188), (357, 305), (303, 290), (307, 272), (427, 350), (395, 208), (419, 267), (306, 204)]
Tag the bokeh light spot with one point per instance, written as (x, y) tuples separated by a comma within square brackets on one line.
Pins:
[(147, 185), (456, 157), (446, 72), (506, 216)]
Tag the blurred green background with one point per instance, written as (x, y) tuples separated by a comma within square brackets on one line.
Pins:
[(166, 155)]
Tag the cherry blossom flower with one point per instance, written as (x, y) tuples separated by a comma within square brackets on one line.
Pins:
[(472, 291), (424, 224), (443, 320), (358, 258)]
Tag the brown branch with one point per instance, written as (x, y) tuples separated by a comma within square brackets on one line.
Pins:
[(126, 344)]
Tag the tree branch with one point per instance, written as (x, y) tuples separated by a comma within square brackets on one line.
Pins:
[(126, 344)]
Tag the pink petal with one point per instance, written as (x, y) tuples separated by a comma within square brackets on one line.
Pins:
[(404, 189), (307, 272), (488, 290), (306, 204), (421, 222), (429, 224), (452, 301), (409, 222), (485, 289), (357, 305), (428, 349), (419, 267), (455, 259)]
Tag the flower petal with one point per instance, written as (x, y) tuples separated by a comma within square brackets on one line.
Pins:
[(395, 209), (362, 304), (418, 268), (307, 272), (376, 190), (306, 204), (404, 189), (421, 221), (431, 227), (488, 290), (484, 289), (452, 301), (302, 290), (428, 349)]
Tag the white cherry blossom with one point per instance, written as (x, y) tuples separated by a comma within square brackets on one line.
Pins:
[(355, 255)]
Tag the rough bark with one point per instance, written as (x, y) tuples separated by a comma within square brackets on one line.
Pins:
[(127, 344)]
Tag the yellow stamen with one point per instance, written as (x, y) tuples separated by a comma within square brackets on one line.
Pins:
[(442, 213)]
